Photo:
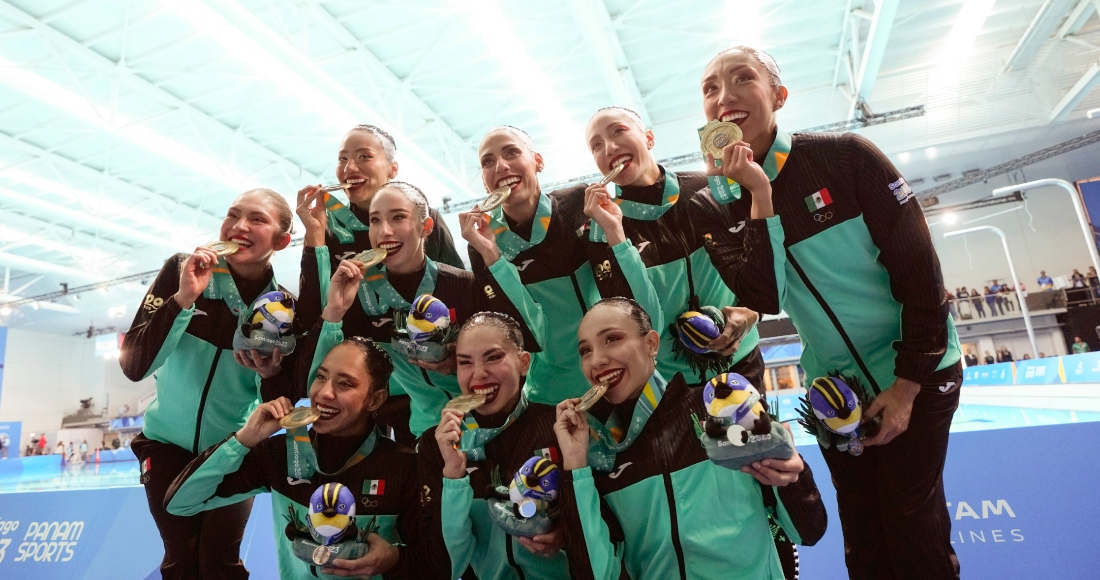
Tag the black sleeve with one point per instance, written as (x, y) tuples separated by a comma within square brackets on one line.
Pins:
[(740, 249), (155, 316), (308, 307), (412, 562), (802, 500), (488, 296), (293, 381), (440, 247), (898, 228), (435, 560)]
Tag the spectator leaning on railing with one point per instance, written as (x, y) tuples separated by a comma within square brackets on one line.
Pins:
[(1045, 282), (989, 358), (1080, 346)]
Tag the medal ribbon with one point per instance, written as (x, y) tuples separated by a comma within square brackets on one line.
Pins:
[(378, 296), (221, 285), (725, 190), (641, 211), (603, 445), (474, 437), (341, 221), (510, 243), (301, 457)]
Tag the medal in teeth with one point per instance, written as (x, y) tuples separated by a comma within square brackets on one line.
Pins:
[(716, 135), (223, 248)]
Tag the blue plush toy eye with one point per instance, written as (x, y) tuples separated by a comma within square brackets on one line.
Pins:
[(708, 396), (342, 507)]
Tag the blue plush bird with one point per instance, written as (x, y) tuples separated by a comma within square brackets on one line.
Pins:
[(427, 315), (272, 312), (534, 485), (696, 330), (835, 404), (331, 513), (731, 399)]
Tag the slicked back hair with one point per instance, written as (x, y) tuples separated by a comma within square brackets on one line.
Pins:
[(631, 308), (765, 60), (388, 143), (413, 193), (502, 323)]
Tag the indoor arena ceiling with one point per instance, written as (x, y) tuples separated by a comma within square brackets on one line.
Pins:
[(126, 126)]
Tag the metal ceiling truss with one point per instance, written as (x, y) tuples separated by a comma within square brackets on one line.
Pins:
[(601, 38), (43, 299), (1014, 197), (862, 63), (1050, 15)]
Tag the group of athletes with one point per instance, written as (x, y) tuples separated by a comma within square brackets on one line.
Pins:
[(566, 289)]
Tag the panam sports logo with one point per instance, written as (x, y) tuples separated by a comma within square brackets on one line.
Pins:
[(43, 541), (994, 519)]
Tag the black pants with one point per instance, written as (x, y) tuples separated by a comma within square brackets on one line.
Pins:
[(891, 501), (206, 545)]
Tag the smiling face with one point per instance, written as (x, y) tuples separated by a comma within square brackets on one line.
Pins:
[(490, 364), (253, 222), (343, 391), (738, 89), (613, 348), (507, 160), (395, 226), (362, 163), (613, 138)]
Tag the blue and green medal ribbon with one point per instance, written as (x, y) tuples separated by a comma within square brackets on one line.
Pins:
[(342, 221), (641, 211), (378, 296), (221, 286), (474, 437), (725, 190), (605, 441), (510, 243), (301, 457)]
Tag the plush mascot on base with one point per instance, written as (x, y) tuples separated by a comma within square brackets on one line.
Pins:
[(267, 327), (738, 430), (695, 329), (426, 331), (330, 531), (832, 411), (528, 505)]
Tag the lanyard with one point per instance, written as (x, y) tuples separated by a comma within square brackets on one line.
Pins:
[(725, 190), (641, 211), (341, 221), (301, 457), (510, 243), (221, 285), (378, 296), (474, 437), (606, 441)]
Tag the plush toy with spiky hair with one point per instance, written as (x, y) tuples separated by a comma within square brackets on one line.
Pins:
[(832, 411), (693, 330), (419, 342)]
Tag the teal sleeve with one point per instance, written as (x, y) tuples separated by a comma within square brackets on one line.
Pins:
[(506, 274), (777, 237), (458, 532), (602, 554), (198, 490), (331, 335), (633, 269), (179, 326), (324, 272)]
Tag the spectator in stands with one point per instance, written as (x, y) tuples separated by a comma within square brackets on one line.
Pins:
[(60, 449), (1026, 357), (1006, 298), (976, 301), (1080, 346), (5, 443), (124, 411), (84, 450), (951, 304), (1045, 282), (1004, 355), (1042, 354), (72, 448), (1094, 282), (971, 359), (991, 299), (1077, 280), (28, 451), (42, 445), (961, 293), (989, 358)]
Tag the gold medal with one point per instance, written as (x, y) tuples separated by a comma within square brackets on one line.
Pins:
[(495, 199), (223, 248), (300, 417), (465, 403), (716, 135), (336, 187), (321, 555), (369, 258), (591, 396), (614, 173)]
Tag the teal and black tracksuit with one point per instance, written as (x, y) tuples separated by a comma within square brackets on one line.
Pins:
[(849, 258), (558, 288), (674, 513), (456, 527), (428, 391), (202, 396), (678, 265), (230, 471)]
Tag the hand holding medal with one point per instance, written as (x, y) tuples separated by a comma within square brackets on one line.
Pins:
[(601, 207), (265, 421)]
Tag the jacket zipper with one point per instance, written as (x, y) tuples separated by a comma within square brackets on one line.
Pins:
[(836, 322), (512, 558), (202, 401), (674, 524)]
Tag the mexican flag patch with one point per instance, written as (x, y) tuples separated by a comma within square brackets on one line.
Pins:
[(550, 453), (374, 486), (818, 199)]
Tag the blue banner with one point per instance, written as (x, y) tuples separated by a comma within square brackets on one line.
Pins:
[(1073, 368)]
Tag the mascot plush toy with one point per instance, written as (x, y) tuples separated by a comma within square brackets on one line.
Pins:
[(267, 327), (425, 330), (695, 329), (832, 411), (738, 429), (329, 530), (527, 506)]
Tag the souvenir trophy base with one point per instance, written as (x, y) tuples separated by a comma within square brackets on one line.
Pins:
[(264, 342), (504, 516), (428, 351), (311, 552), (740, 451)]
